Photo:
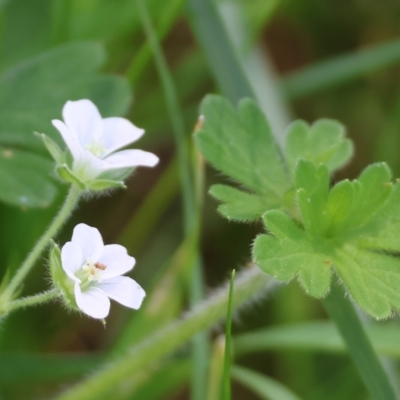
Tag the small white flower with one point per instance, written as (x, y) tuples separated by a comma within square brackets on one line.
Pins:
[(93, 141), (96, 270)]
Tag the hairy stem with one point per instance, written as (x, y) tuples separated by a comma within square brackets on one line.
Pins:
[(30, 301), (56, 224), (248, 283)]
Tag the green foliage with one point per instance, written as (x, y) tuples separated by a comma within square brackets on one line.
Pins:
[(322, 142), (25, 178), (352, 228), (240, 144)]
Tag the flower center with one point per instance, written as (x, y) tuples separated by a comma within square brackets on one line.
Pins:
[(96, 147), (90, 272)]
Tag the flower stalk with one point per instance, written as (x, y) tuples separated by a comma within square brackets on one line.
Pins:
[(39, 298), (249, 283), (59, 220)]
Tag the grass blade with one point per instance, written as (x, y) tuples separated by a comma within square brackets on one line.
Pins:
[(216, 370), (342, 312), (265, 387), (336, 71), (191, 214), (214, 40), (318, 336)]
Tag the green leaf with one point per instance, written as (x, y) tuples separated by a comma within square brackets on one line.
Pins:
[(239, 205), (240, 144), (322, 142), (312, 195), (26, 179), (354, 227), (291, 253)]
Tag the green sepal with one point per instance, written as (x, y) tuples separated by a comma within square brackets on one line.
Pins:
[(103, 184), (116, 175), (53, 148), (67, 175), (59, 278)]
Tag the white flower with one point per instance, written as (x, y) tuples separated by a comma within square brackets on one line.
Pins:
[(96, 272), (94, 141)]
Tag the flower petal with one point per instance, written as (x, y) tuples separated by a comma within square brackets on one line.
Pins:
[(89, 240), (116, 260), (130, 159), (71, 259), (92, 302), (124, 290), (119, 132), (69, 138), (88, 166), (84, 120)]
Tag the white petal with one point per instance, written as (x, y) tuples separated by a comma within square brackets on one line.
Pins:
[(71, 259), (116, 260), (92, 302), (84, 120), (69, 138), (89, 240), (88, 166), (118, 133), (130, 159), (124, 290)]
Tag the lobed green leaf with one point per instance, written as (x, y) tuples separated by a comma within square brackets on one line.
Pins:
[(240, 205), (323, 142), (353, 228), (239, 143)]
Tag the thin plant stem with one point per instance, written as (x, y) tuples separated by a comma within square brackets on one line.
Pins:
[(226, 379), (191, 212), (39, 298), (343, 314), (56, 224), (249, 283), (144, 53), (173, 111), (216, 372)]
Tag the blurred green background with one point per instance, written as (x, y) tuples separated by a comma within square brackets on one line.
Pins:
[(304, 59)]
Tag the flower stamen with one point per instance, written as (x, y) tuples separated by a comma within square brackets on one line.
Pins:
[(100, 266)]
